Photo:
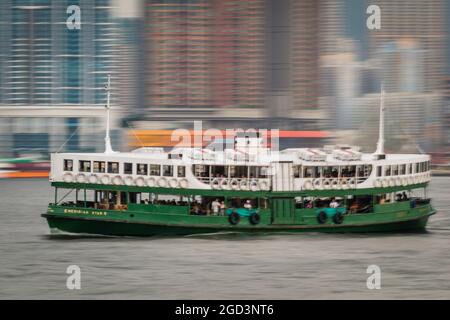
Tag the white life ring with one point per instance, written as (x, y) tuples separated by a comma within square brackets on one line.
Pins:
[(264, 185), (128, 180), (335, 184), (151, 182), (162, 182), (392, 182), (404, 181), (385, 182), (243, 185), (173, 183), (344, 183), (234, 184), (117, 180), (317, 184), (351, 182), (327, 184), (104, 179), (254, 185), (68, 177), (398, 181), (215, 183), (93, 178), (377, 183), (224, 184), (139, 181), (81, 178), (184, 183), (307, 185)]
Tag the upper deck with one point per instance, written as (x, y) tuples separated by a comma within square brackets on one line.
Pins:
[(250, 168)]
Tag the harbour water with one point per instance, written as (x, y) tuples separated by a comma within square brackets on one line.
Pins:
[(33, 263)]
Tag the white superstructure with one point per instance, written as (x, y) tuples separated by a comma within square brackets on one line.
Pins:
[(341, 167)]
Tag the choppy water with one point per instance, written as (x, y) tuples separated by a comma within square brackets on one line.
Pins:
[(304, 266)]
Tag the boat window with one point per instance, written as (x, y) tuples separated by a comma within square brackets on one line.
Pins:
[(387, 171), (99, 166), (142, 169), (395, 170), (379, 171), (181, 171), (409, 168), (68, 165), (201, 170), (417, 168), (219, 171), (326, 172), (263, 172), (155, 170), (85, 166), (167, 171), (175, 156), (128, 168), (348, 171), (238, 171), (296, 170), (308, 172), (113, 167), (402, 169)]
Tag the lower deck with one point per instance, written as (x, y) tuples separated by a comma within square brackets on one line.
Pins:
[(144, 214)]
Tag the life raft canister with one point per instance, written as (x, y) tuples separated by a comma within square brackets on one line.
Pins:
[(234, 218), (322, 217), (254, 218), (338, 218)]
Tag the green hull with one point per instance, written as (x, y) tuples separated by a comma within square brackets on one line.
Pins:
[(113, 227)]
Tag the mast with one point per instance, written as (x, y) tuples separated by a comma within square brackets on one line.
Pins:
[(380, 144), (108, 148)]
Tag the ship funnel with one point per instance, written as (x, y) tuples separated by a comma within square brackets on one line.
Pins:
[(108, 148), (379, 153)]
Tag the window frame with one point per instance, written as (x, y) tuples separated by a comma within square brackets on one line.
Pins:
[(65, 162), (99, 166), (81, 164), (164, 166), (109, 167)]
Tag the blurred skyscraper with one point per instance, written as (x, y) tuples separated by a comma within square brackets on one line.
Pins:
[(203, 54), (52, 77)]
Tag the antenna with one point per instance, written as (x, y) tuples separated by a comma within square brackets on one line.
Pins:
[(108, 148), (380, 144)]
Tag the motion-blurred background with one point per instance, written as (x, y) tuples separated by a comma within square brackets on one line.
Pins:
[(310, 68)]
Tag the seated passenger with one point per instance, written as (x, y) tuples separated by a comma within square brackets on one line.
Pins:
[(404, 196), (248, 205), (334, 203)]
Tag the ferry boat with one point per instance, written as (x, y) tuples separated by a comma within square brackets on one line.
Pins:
[(246, 188)]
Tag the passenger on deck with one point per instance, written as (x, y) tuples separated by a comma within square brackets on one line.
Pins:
[(404, 196), (248, 205), (309, 205), (398, 197), (215, 207), (222, 208), (334, 203)]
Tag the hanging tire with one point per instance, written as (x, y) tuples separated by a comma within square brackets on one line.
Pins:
[(338, 218), (234, 218), (322, 217), (254, 219)]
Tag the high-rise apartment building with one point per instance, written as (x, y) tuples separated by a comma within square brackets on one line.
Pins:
[(203, 54), (421, 23), (52, 77)]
